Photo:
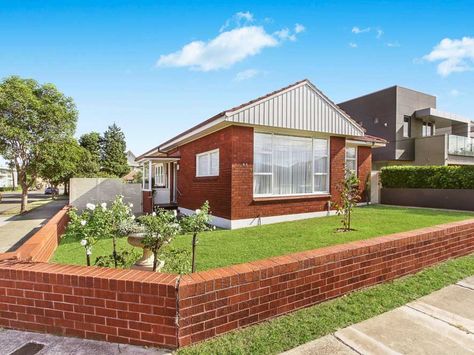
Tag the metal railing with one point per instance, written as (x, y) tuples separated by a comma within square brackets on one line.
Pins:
[(459, 145)]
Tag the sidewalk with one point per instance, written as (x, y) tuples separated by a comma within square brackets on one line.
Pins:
[(25, 343), (440, 323), (14, 230)]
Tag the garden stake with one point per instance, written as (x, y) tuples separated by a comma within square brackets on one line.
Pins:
[(193, 269)]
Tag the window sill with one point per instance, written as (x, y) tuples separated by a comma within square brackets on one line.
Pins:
[(296, 197), (206, 178)]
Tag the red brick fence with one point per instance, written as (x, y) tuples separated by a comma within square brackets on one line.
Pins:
[(137, 307)]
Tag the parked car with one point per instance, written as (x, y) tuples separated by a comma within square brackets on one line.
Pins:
[(51, 191)]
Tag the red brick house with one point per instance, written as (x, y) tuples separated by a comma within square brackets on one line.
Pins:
[(275, 158)]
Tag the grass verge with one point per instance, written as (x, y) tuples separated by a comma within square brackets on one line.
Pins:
[(287, 332)]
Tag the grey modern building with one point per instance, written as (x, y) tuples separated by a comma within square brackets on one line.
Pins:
[(417, 132)]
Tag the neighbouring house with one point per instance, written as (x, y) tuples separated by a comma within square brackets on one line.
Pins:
[(135, 167), (276, 158), (416, 131), (8, 175)]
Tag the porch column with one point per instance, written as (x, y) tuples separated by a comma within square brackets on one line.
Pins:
[(149, 176), (143, 176)]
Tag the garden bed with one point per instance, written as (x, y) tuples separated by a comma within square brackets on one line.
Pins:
[(224, 247)]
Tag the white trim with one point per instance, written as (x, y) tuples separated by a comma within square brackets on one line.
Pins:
[(193, 132), (208, 153), (252, 222), (366, 144)]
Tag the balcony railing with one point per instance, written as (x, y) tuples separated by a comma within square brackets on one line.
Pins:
[(459, 145)]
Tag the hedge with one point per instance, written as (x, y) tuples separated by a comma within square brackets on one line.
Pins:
[(428, 177)]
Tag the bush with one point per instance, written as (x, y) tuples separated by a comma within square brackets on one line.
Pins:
[(177, 261), (125, 259), (428, 177)]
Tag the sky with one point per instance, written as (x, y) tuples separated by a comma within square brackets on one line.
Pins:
[(156, 68)]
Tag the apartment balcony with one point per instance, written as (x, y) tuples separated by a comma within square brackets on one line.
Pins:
[(445, 149)]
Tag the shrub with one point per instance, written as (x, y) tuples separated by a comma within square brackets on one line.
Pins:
[(124, 258), (428, 177), (177, 260)]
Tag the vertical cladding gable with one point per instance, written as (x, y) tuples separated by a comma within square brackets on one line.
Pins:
[(194, 191), (301, 108)]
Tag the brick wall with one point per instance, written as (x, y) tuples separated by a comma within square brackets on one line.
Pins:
[(231, 193), (125, 306), (194, 191), (364, 167), (41, 245), (137, 307), (244, 205), (220, 300)]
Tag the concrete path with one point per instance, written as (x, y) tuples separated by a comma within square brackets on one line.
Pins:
[(440, 323), (15, 230), (26, 343)]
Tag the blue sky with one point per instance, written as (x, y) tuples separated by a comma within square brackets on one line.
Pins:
[(157, 67)]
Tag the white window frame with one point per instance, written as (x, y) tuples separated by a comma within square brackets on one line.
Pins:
[(406, 129), (160, 177), (353, 159), (313, 193), (200, 174)]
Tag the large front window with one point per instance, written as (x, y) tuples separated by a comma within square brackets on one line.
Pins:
[(286, 165)]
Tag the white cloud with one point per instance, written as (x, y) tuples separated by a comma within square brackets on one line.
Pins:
[(453, 55), (221, 52), (455, 93), (285, 34), (246, 74), (358, 30), (379, 33), (393, 44), (239, 19), (352, 45), (299, 28)]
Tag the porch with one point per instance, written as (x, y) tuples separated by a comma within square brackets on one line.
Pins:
[(159, 182)]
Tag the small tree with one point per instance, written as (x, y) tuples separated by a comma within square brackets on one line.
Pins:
[(160, 228), (349, 196), (197, 223), (120, 215)]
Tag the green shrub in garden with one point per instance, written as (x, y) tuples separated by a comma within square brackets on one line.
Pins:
[(428, 177)]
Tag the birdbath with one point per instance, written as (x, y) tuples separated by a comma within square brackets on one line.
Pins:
[(146, 261)]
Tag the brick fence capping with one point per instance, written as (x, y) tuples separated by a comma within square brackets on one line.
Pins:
[(159, 309)]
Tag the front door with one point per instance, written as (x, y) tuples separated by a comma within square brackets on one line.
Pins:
[(161, 184)]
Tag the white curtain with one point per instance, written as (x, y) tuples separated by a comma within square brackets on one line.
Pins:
[(285, 165)]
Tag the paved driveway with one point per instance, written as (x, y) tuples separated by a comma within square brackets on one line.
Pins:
[(440, 323)]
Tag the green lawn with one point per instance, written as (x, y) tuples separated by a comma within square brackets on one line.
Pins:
[(286, 332), (223, 247)]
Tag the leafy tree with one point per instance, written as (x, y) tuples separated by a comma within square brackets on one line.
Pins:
[(114, 157), (31, 116), (350, 195), (92, 143), (63, 160)]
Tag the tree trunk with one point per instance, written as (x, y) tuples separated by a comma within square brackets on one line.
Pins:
[(24, 198), (155, 260), (13, 180)]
